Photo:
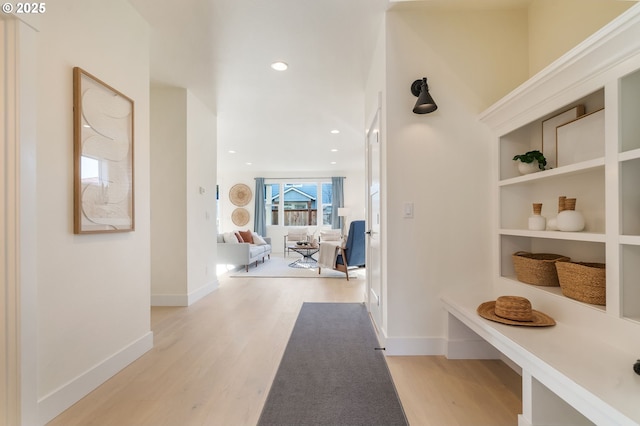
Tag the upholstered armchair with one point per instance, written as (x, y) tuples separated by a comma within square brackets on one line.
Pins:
[(352, 253), (293, 236)]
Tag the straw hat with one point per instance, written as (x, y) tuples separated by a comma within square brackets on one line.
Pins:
[(514, 310)]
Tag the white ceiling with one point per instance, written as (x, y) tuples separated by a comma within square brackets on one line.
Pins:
[(221, 50)]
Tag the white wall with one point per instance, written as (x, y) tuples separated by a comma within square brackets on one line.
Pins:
[(440, 161), (354, 196), (93, 290), (168, 198), (201, 199), (183, 172), (472, 59), (555, 27)]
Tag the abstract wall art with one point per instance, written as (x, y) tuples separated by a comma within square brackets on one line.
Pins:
[(103, 157)]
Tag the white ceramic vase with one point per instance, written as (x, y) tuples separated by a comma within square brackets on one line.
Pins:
[(527, 168), (570, 221), (537, 222)]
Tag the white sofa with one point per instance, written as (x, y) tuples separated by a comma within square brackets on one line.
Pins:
[(235, 253)]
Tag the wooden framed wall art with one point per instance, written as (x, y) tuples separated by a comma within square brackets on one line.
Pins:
[(549, 126), (103, 157)]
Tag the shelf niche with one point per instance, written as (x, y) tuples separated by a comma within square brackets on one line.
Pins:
[(587, 187), (630, 271), (629, 107), (529, 136), (630, 197)]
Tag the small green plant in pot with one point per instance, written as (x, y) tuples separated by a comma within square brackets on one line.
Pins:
[(530, 162)]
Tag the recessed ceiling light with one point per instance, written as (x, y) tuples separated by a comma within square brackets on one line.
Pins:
[(248, 164), (335, 131), (231, 151), (334, 150), (279, 66), (333, 162)]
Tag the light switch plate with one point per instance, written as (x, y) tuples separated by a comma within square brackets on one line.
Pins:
[(408, 210)]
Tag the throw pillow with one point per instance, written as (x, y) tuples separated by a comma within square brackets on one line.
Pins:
[(258, 240), (330, 235), (246, 236), (230, 237), (239, 237)]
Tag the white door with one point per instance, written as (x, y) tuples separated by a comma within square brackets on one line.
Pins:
[(375, 295)]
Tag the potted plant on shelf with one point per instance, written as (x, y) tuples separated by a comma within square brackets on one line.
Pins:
[(529, 162)]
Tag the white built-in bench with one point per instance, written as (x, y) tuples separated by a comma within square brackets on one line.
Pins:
[(568, 377)]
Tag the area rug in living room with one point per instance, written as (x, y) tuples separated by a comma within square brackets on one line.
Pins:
[(278, 267), (332, 372)]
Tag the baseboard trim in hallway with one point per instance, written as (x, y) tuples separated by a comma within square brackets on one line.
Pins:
[(64, 397)]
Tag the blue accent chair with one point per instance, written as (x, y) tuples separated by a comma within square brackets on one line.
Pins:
[(353, 253)]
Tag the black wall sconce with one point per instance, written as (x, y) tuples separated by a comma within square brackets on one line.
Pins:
[(425, 103)]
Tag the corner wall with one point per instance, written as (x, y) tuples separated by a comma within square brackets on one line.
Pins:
[(93, 290), (168, 198), (201, 199), (183, 174), (440, 161)]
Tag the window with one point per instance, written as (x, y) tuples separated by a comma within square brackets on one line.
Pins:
[(327, 206), (296, 203)]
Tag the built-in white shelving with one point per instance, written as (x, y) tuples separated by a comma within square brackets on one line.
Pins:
[(600, 77), (603, 186)]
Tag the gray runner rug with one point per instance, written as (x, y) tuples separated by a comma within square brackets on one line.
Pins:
[(331, 372)]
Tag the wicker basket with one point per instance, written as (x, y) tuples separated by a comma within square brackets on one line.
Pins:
[(537, 268), (582, 281)]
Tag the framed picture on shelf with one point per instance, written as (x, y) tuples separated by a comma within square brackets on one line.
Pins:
[(581, 139), (549, 126), (103, 157)]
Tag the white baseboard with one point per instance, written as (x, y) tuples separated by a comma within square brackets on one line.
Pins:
[(471, 349), (459, 349), (406, 346), (194, 296), (184, 299), (522, 421), (169, 300), (64, 397)]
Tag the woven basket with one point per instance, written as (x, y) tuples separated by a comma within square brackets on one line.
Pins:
[(537, 268), (583, 281)]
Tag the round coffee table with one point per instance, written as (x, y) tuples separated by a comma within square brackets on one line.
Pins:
[(307, 251)]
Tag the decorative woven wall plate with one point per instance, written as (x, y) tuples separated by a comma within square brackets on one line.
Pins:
[(240, 217), (240, 194)]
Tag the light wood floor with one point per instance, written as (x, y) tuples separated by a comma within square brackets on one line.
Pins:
[(213, 362)]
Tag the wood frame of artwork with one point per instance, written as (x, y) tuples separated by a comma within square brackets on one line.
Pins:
[(103, 127), (549, 138)]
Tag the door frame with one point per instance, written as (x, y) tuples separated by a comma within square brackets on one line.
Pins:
[(9, 213), (18, 57), (374, 121)]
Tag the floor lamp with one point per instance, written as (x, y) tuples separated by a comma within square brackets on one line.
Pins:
[(343, 212)]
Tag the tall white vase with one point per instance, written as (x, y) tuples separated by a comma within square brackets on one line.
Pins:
[(570, 220), (537, 222)]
